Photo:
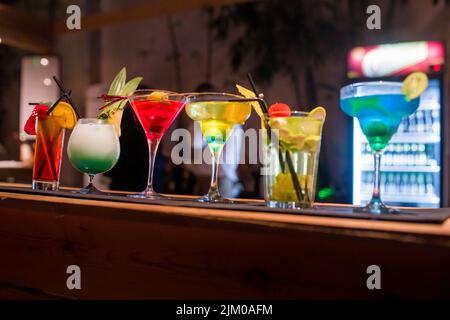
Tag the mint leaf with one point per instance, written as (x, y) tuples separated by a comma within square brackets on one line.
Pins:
[(125, 90), (118, 82), (130, 86)]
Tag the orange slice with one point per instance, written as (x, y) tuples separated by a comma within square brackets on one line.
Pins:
[(65, 115)]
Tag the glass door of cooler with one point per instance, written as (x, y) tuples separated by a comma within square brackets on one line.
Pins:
[(411, 164)]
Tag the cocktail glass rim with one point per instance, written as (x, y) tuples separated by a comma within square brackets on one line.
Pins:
[(376, 88), (92, 121), (236, 98), (294, 114), (146, 92)]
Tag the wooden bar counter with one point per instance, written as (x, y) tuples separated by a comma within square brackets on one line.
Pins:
[(138, 251)]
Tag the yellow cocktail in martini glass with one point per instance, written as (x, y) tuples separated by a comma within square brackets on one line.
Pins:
[(217, 114)]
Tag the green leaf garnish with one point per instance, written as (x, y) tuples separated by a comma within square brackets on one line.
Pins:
[(118, 82), (119, 87), (130, 86)]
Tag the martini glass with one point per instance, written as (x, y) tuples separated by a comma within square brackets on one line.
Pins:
[(379, 107), (156, 110), (217, 113)]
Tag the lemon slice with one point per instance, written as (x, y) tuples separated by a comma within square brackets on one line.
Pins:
[(313, 142), (318, 113), (250, 95), (298, 141), (414, 85), (65, 115), (116, 120), (158, 96)]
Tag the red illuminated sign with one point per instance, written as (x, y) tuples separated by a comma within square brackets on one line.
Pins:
[(395, 59)]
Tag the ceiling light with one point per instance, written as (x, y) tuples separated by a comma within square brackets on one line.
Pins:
[(47, 82), (44, 62)]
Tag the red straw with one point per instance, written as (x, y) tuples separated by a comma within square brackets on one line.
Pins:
[(110, 99)]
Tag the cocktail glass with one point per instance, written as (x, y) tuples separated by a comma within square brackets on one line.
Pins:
[(217, 113), (48, 152), (156, 110), (93, 148), (379, 107), (297, 137)]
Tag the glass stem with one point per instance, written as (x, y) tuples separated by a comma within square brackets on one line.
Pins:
[(376, 177), (152, 149), (215, 162), (90, 187), (91, 181)]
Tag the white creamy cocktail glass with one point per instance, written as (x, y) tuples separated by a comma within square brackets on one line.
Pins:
[(93, 148)]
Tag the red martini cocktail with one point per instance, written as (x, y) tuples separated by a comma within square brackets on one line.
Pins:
[(156, 110)]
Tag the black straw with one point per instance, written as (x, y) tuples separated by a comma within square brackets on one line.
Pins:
[(55, 104), (65, 95), (60, 86), (297, 186), (262, 102)]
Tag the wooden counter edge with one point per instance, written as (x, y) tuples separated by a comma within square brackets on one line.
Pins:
[(402, 231)]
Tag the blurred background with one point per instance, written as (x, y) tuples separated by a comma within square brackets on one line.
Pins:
[(300, 52)]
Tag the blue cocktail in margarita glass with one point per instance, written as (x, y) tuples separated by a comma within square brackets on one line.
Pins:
[(379, 107)]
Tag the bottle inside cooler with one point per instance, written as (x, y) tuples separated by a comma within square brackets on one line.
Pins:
[(411, 162)]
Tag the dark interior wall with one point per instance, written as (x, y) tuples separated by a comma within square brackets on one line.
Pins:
[(9, 100)]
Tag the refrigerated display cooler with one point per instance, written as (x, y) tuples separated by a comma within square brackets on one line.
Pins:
[(411, 163)]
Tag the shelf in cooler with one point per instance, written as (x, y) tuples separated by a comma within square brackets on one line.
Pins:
[(421, 199), (429, 105), (430, 169), (412, 138)]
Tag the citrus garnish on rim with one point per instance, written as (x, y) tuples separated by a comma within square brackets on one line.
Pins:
[(318, 113), (414, 85), (65, 115)]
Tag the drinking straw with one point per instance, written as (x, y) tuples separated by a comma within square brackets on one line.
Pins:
[(65, 95), (55, 104), (297, 186), (262, 102), (39, 103), (265, 109)]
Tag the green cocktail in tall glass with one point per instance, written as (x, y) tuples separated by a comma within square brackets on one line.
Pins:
[(217, 113)]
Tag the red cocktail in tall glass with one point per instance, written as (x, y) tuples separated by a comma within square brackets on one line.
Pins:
[(48, 152), (156, 110)]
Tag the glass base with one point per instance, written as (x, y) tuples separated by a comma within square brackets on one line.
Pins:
[(45, 185), (89, 189), (147, 194), (288, 205), (214, 199), (376, 207)]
